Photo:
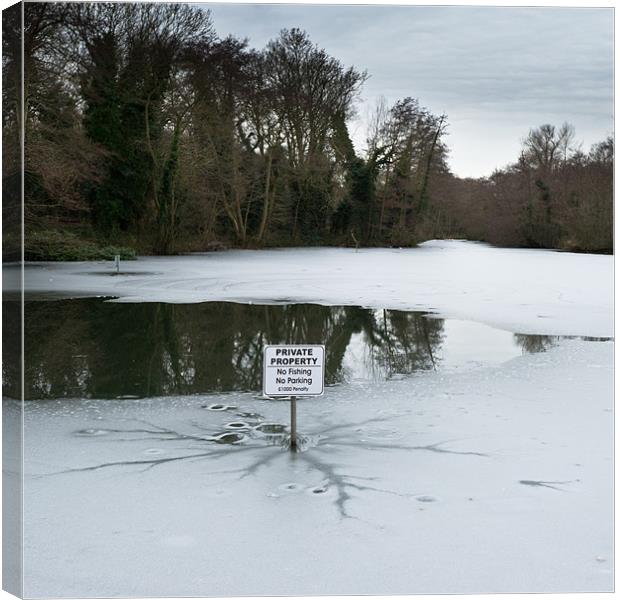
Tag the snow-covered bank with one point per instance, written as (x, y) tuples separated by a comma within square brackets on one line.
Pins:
[(486, 480), (525, 291)]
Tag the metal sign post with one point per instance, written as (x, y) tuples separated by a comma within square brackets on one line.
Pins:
[(293, 424), (117, 262), (292, 371)]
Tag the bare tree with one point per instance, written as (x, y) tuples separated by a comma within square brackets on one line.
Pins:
[(546, 147)]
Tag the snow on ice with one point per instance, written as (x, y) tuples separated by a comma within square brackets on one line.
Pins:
[(525, 291)]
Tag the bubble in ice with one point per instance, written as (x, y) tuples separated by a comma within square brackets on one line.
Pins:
[(250, 415), (425, 498), (219, 407), (318, 490), (229, 437), (153, 451), (237, 425), (291, 487), (92, 432)]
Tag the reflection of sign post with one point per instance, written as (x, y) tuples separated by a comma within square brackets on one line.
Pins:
[(293, 371)]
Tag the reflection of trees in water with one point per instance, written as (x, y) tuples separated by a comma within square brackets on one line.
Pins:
[(531, 344), (540, 343), (90, 348), (11, 347), (409, 341), (400, 342)]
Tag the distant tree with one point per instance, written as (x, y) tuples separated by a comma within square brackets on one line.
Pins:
[(261, 133), (217, 79), (310, 90), (590, 204), (546, 151), (603, 152), (59, 159), (11, 139), (547, 146), (129, 56), (554, 196), (407, 140)]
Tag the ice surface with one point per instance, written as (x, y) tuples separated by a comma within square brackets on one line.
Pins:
[(523, 291), (496, 478), (490, 480)]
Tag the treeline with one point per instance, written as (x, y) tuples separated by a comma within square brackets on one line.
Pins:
[(144, 128), (554, 196)]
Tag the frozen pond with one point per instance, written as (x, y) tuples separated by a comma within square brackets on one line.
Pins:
[(464, 443), (90, 348)]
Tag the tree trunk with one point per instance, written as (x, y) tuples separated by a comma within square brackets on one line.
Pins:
[(266, 210)]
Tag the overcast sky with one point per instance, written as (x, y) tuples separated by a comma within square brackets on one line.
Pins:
[(495, 71)]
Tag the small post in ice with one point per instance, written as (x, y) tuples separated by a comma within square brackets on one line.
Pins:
[(117, 262)]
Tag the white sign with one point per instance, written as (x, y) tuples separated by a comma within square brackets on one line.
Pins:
[(293, 370)]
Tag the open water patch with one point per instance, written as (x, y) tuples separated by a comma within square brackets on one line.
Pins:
[(90, 348)]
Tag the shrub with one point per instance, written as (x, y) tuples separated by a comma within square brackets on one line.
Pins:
[(66, 246)]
